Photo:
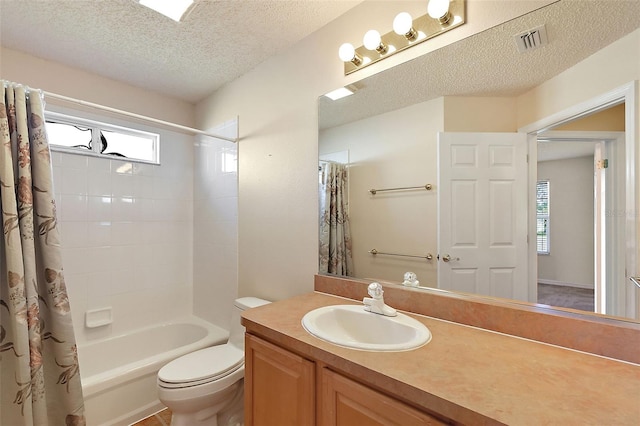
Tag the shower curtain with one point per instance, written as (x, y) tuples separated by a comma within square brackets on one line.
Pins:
[(335, 236), (40, 380)]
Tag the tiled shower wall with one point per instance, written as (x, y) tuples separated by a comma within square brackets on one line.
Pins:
[(127, 235), (215, 266)]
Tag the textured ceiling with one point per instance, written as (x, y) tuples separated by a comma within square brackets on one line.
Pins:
[(217, 42), (489, 64)]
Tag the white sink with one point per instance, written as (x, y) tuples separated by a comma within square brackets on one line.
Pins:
[(353, 327)]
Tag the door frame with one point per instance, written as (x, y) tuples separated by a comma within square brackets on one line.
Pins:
[(627, 94), (603, 223)]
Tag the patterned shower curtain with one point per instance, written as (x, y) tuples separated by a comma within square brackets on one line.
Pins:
[(40, 380), (335, 236)]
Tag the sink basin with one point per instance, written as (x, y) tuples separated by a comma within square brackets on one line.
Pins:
[(353, 327)]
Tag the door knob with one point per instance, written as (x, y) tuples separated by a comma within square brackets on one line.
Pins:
[(635, 280), (447, 258)]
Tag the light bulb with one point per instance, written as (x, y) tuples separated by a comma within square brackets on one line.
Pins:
[(402, 23), (347, 52), (439, 9), (372, 40)]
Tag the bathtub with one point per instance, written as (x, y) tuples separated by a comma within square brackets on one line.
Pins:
[(119, 373)]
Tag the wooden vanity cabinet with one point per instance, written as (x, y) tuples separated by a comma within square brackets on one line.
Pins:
[(283, 388), (345, 402), (279, 386)]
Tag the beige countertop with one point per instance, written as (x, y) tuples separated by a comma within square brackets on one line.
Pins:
[(470, 375)]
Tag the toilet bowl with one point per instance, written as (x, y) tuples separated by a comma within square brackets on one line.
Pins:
[(206, 387)]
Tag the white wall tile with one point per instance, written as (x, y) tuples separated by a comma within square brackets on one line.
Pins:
[(56, 159), (76, 287), (121, 167), (122, 281), (122, 185), (99, 208), (123, 257), (99, 165), (144, 209), (148, 232), (123, 209), (99, 183), (72, 161), (99, 284), (74, 234), (226, 208), (144, 256), (125, 233), (99, 234), (75, 208), (144, 277), (215, 212), (126, 238), (141, 169), (57, 179), (143, 186), (98, 259)]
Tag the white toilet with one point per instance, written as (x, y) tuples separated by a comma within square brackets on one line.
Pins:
[(206, 387)]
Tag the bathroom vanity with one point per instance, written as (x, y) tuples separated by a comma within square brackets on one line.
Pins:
[(464, 375)]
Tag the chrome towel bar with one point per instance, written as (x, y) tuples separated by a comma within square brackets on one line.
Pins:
[(428, 187), (429, 256)]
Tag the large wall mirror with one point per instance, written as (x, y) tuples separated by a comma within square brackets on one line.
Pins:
[(567, 185)]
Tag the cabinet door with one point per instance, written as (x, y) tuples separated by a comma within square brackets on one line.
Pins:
[(344, 402), (279, 386)]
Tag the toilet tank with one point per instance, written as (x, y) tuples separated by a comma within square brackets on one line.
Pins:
[(236, 334)]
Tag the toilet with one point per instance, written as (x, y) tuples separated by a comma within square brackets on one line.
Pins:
[(205, 387)]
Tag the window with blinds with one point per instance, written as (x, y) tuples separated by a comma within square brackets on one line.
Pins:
[(542, 215)]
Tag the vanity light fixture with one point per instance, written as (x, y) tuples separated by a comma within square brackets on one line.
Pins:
[(441, 16), (174, 9)]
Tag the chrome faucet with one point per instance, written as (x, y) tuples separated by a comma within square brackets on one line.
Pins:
[(375, 303)]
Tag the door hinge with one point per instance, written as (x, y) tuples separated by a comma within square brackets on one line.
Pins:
[(602, 164)]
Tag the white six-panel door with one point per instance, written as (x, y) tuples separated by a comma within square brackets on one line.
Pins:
[(482, 213)]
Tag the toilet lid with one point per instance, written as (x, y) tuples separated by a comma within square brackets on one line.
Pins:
[(202, 365)]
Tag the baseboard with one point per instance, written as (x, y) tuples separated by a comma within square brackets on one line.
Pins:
[(566, 284)]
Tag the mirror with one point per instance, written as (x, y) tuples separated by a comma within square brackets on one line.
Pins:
[(387, 132)]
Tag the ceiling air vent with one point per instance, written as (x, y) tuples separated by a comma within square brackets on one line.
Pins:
[(532, 39)]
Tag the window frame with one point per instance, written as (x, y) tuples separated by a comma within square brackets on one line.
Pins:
[(544, 216), (96, 128)]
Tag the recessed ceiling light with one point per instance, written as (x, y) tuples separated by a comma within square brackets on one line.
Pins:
[(174, 9), (339, 93)]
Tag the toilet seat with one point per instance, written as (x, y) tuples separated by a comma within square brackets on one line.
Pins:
[(201, 367)]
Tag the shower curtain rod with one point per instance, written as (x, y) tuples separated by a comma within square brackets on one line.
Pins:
[(138, 116)]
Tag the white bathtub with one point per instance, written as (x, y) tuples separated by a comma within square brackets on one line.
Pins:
[(119, 373)]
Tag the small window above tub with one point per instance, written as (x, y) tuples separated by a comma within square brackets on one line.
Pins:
[(81, 136)]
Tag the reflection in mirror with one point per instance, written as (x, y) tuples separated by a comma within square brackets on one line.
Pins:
[(387, 136)]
